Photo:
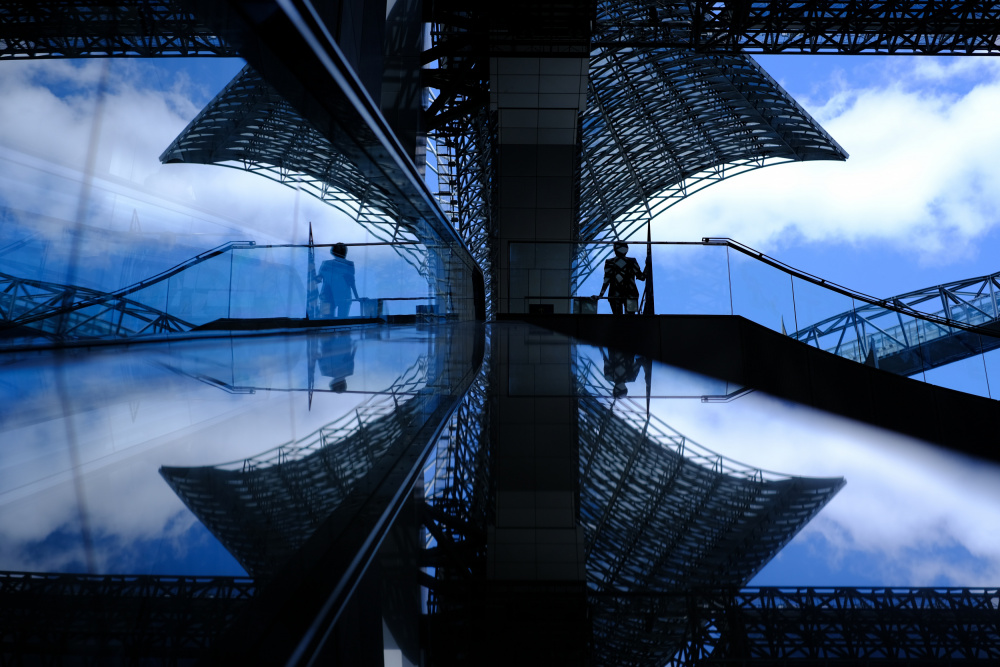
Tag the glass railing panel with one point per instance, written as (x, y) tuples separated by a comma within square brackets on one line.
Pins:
[(991, 361), (691, 280), (268, 282), (200, 293), (761, 292), (390, 280), (966, 375), (900, 348), (820, 313)]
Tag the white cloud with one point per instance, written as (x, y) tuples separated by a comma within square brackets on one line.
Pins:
[(49, 113), (921, 175), (906, 503)]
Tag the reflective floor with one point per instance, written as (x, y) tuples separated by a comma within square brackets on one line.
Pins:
[(222, 455), (85, 434)]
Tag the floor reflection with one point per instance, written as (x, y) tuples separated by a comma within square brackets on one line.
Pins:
[(434, 478), (85, 433)]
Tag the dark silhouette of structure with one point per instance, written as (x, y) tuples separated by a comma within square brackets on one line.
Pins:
[(549, 519)]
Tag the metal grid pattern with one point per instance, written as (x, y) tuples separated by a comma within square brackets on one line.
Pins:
[(464, 133), (663, 124), (68, 311), (48, 618), (465, 150), (904, 344), (457, 492), (662, 513), (262, 509), (249, 126), (81, 29), (844, 626), (815, 26)]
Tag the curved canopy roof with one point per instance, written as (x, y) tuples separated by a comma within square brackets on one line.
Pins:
[(663, 123)]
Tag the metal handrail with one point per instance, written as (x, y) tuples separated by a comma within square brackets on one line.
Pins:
[(125, 291)]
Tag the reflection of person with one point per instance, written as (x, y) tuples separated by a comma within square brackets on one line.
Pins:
[(620, 368), (620, 273), (337, 275), (336, 361)]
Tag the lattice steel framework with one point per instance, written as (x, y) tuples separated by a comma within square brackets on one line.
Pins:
[(249, 126), (662, 124), (70, 311), (80, 29), (262, 509), (662, 513), (464, 132), (45, 618), (457, 491), (59, 311), (892, 339), (464, 138), (814, 26), (837, 626)]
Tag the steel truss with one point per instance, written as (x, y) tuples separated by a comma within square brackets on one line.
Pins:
[(662, 124), (457, 492), (80, 29), (250, 127), (69, 311), (45, 617), (464, 135), (827, 626), (815, 26), (662, 513), (264, 508), (896, 341)]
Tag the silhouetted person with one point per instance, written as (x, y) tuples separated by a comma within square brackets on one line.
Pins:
[(621, 368), (336, 361), (337, 275), (620, 273)]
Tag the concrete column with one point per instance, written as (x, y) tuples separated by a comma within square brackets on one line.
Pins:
[(538, 101), (536, 536)]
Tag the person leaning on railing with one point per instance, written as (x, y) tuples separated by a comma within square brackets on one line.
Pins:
[(620, 274), (337, 275)]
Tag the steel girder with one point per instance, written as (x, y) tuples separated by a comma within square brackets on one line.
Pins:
[(662, 124), (249, 126), (464, 134), (842, 626), (662, 512), (264, 508), (905, 344), (70, 311), (814, 26), (81, 29), (50, 618)]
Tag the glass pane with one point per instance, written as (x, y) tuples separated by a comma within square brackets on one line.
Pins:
[(819, 311), (968, 375), (762, 293), (691, 280)]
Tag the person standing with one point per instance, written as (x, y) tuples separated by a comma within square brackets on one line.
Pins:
[(337, 275), (620, 274)]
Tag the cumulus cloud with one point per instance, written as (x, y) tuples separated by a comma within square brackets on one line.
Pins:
[(921, 175), (126, 415), (104, 123), (908, 507)]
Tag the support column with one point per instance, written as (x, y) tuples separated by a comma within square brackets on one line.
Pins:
[(538, 102)]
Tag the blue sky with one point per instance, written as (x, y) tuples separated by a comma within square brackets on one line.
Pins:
[(916, 205)]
